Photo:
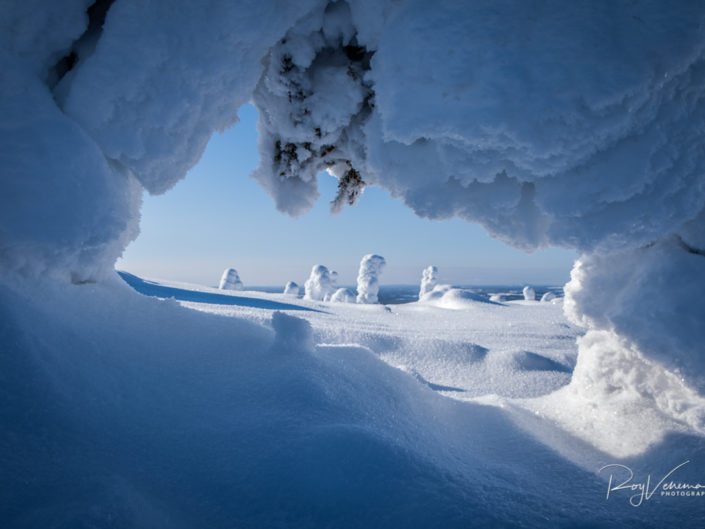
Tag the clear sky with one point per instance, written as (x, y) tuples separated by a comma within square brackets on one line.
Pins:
[(218, 217)]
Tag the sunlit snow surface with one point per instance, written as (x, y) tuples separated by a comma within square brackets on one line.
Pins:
[(519, 355), (578, 124), (516, 349)]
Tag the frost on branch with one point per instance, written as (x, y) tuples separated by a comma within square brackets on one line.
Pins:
[(350, 187), (314, 99)]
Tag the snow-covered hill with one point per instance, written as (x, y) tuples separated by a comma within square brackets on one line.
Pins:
[(129, 410)]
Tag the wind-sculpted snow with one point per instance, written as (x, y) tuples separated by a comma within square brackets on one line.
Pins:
[(577, 124)]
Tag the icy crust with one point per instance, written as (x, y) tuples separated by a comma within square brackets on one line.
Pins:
[(190, 419)]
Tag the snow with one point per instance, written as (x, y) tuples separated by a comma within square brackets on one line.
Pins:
[(291, 289), (320, 284), (549, 123), (548, 297), (429, 279), (448, 297), (371, 267), (529, 293), (344, 295), (230, 280)]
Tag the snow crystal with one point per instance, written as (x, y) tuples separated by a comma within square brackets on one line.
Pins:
[(368, 278), (230, 280)]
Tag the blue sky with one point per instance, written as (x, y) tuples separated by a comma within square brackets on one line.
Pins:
[(218, 217)]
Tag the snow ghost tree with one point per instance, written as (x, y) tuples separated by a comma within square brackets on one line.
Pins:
[(291, 289), (429, 279), (230, 280), (320, 285), (548, 297), (368, 278), (529, 293)]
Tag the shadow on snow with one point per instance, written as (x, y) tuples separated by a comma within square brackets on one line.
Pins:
[(149, 288)]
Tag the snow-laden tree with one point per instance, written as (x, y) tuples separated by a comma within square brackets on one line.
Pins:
[(429, 279), (230, 280), (368, 278), (320, 285), (291, 289)]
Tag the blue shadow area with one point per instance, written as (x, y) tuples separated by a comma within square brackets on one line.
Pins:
[(148, 288)]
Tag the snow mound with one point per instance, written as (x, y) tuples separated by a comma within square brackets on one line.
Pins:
[(368, 278), (230, 280), (343, 295), (291, 289), (448, 297), (548, 297)]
